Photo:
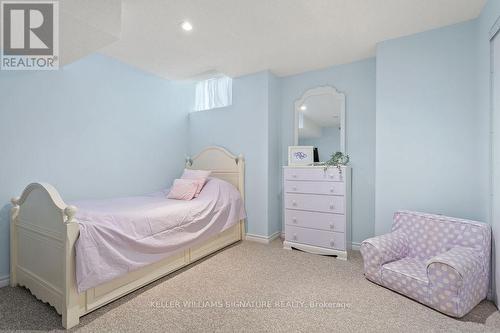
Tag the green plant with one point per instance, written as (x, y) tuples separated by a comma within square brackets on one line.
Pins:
[(337, 159)]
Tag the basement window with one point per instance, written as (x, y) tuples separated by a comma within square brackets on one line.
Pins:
[(214, 93)]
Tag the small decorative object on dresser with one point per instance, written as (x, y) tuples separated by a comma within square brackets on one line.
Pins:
[(317, 209), (300, 155)]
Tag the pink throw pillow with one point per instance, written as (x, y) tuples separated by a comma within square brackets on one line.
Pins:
[(183, 189), (199, 175)]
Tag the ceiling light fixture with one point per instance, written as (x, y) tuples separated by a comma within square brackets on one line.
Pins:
[(303, 107), (186, 26)]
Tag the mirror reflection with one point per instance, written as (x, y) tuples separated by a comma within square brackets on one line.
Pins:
[(319, 121)]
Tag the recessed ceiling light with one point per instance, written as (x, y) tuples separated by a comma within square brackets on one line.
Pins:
[(303, 107), (186, 26)]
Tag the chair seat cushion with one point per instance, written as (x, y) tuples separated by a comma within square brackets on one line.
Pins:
[(407, 276)]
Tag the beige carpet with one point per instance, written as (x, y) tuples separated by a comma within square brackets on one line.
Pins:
[(255, 287)]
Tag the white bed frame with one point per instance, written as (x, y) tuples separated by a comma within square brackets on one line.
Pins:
[(44, 230)]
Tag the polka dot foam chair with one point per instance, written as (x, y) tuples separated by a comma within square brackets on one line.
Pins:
[(440, 261)]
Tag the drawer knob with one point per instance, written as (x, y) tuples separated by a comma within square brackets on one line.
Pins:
[(294, 176), (332, 190), (332, 206), (294, 203), (332, 226), (331, 176), (294, 236), (294, 220), (332, 243), (294, 188)]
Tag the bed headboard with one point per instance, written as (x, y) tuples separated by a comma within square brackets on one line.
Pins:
[(223, 165)]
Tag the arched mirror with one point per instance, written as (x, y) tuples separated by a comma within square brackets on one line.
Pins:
[(320, 121)]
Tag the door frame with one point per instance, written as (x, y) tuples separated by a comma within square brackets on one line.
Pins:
[(493, 34)]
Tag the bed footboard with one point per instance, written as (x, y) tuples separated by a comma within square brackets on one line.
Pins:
[(43, 232)]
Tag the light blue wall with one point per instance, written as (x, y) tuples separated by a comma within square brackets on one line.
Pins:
[(243, 128), (327, 144), (357, 81), (96, 128), (432, 146)]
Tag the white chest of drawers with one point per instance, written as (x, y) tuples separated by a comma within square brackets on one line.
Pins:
[(317, 207)]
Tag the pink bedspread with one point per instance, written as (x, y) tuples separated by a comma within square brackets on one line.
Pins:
[(121, 235)]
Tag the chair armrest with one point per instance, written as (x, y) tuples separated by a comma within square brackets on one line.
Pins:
[(380, 250), (462, 260), (458, 280), (389, 247)]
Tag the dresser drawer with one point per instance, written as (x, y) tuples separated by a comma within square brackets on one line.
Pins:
[(317, 203), (314, 174), (326, 239), (333, 188), (315, 220)]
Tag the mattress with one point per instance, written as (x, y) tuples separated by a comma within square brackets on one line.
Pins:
[(120, 235)]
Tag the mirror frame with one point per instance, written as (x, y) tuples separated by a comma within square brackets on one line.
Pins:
[(323, 90)]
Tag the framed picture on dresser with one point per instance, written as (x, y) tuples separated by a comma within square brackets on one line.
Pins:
[(300, 155)]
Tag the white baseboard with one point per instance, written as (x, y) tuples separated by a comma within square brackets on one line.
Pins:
[(262, 239), (355, 246), (4, 281)]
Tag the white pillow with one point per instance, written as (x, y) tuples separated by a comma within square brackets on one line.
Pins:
[(200, 175)]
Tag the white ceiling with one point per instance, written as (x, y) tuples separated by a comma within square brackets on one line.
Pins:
[(87, 26), (238, 37)]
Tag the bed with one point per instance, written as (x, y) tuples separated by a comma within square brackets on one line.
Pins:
[(45, 233)]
